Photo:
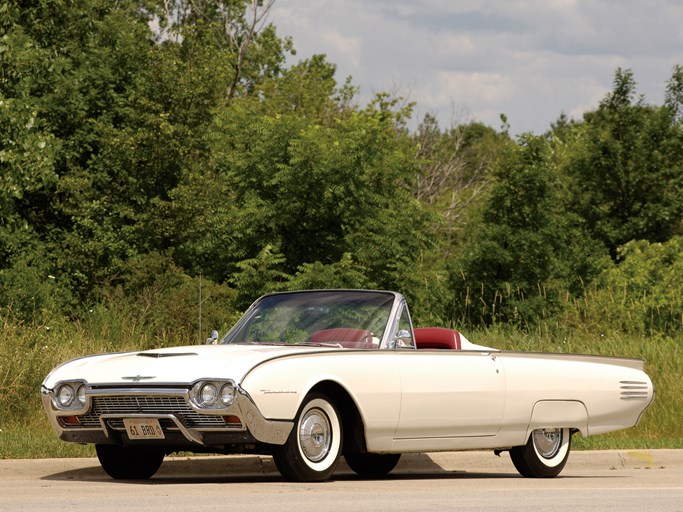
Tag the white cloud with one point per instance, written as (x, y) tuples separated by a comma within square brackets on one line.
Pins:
[(529, 59), (349, 48), (480, 87)]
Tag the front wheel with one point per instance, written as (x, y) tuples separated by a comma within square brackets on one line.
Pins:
[(312, 451), (129, 462), (545, 453)]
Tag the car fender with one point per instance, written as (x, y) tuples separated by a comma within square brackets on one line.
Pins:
[(279, 386)]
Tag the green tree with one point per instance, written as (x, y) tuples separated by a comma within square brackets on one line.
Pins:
[(627, 171), (28, 154), (526, 248), (643, 294), (320, 191), (295, 187), (674, 94), (454, 173), (102, 119)]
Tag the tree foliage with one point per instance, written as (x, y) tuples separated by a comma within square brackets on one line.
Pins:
[(524, 246), (147, 147), (627, 171), (455, 168)]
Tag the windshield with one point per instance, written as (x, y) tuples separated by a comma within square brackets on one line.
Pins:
[(352, 319)]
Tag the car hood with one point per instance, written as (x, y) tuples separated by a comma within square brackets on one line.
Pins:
[(171, 365)]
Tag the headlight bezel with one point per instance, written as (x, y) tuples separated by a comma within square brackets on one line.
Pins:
[(213, 394), (70, 396)]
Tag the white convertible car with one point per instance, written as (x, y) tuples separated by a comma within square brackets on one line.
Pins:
[(313, 375)]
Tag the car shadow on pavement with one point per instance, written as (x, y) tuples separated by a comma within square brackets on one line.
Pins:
[(255, 468)]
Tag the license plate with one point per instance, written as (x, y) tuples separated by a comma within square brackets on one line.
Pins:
[(143, 428)]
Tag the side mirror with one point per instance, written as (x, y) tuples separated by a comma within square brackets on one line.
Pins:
[(402, 339), (213, 340)]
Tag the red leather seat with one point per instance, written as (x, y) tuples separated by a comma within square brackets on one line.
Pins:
[(345, 336), (437, 337)]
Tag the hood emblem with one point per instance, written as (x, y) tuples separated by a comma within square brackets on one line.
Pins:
[(137, 378)]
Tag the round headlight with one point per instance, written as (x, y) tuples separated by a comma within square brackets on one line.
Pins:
[(227, 394), (80, 394), (65, 395), (208, 395)]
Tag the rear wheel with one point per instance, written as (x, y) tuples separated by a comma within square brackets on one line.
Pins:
[(312, 452), (372, 464), (545, 453), (129, 462)]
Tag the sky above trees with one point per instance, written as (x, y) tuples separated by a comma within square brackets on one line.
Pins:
[(473, 60)]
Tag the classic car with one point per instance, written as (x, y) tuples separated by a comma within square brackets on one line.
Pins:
[(311, 376)]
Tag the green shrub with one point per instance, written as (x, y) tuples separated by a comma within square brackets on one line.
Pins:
[(642, 294)]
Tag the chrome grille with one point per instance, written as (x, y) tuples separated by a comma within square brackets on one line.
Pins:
[(146, 404)]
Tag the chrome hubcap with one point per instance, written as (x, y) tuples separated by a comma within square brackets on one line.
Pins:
[(547, 442), (315, 435)]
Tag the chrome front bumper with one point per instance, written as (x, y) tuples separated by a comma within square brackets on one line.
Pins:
[(253, 426)]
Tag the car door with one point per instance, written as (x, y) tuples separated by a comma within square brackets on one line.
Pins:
[(450, 393)]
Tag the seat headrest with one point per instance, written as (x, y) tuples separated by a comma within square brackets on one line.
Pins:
[(436, 337)]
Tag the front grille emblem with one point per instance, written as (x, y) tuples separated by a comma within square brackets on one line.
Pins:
[(137, 378)]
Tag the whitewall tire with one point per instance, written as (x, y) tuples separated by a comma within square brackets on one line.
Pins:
[(545, 453), (314, 446)]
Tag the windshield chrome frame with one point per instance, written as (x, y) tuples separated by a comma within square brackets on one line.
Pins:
[(392, 318)]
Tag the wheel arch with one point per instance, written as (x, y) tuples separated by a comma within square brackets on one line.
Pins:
[(351, 419), (570, 414)]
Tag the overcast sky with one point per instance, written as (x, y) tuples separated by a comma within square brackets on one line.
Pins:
[(475, 59)]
